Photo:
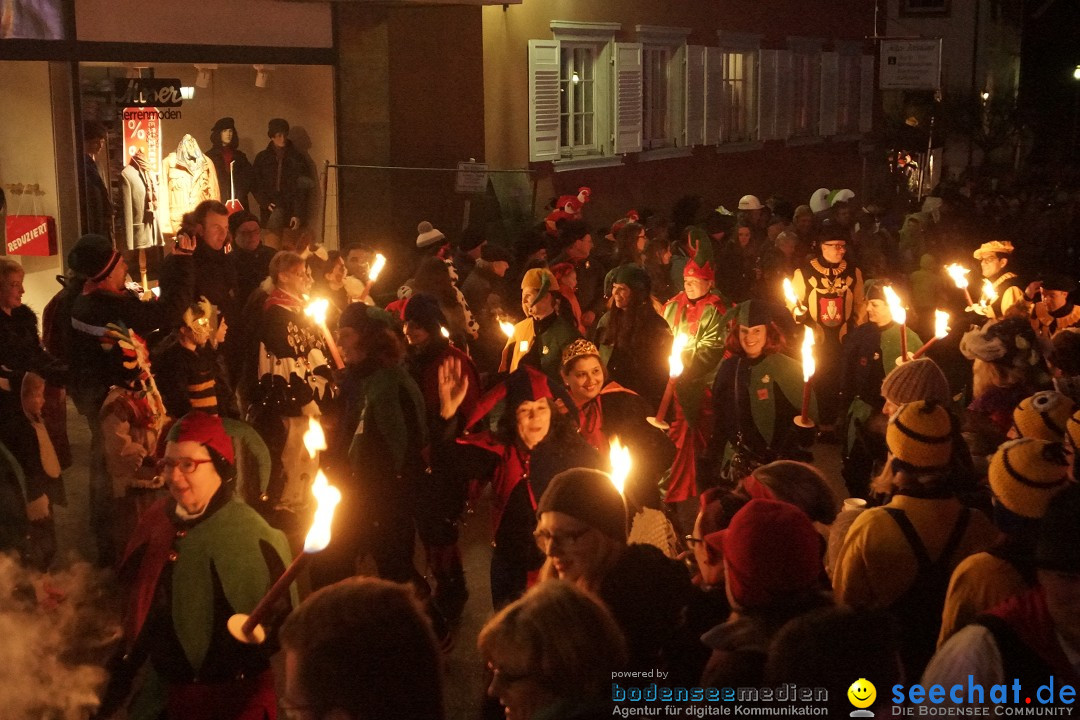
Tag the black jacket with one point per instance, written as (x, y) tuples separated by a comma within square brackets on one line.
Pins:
[(289, 190), (242, 176)]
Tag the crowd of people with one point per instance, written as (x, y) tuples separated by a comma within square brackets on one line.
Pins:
[(724, 557)]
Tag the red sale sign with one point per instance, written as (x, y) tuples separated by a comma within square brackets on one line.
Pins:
[(30, 235), (142, 131)]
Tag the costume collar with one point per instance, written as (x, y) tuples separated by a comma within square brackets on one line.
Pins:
[(828, 268)]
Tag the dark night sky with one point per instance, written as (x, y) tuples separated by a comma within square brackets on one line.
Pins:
[(1050, 53)]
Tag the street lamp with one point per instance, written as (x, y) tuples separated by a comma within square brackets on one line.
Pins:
[(1076, 73)]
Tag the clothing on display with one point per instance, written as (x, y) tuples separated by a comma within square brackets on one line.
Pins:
[(140, 196), (190, 178)]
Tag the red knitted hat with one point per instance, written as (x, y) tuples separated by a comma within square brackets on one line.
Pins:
[(206, 430), (772, 552)]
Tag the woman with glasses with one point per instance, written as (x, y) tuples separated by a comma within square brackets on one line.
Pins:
[(552, 654), (829, 291), (195, 559), (294, 382), (533, 440), (582, 529)]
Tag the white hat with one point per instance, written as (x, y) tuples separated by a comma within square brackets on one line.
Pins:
[(819, 200), (749, 202), (427, 235), (841, 196)]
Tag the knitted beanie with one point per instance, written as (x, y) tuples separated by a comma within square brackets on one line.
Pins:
[(1044, 415), (633, 276), (426, 235), (424, 310), (919, 379), (921, 434), (1026, 473), (93, 257), (771, 552), (277, 125), (589, 496)]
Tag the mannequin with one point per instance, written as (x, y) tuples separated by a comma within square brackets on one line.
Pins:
[(282, 181), (190, 178), (140, 203), (234, 172), (97, 202)]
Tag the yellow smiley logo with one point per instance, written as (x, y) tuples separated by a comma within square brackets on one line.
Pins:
[(862, 693)]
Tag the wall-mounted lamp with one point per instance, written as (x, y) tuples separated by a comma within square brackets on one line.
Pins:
[(262, 75), (135, 71), (203, 73), (985, 95)]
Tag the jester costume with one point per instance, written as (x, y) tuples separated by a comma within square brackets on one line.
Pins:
[(518, 475), (832, 296), (701, 321), (294, 382), (755, 402)]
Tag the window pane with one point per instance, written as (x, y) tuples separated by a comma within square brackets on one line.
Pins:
[(587, 129)]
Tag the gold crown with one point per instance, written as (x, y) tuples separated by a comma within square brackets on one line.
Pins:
[(579, 348)]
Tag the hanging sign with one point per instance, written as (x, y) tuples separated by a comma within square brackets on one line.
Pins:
[(149, 92), (471, 177), (142, 131), (30, 235)]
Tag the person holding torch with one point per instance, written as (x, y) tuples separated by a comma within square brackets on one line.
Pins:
[(697, 312), (195, 559), (1005, 288), (757, 397)]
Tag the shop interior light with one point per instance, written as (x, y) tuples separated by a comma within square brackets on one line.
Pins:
[(203, 74), (262, 75), (1076, 73), (187, 92), (135, 71)]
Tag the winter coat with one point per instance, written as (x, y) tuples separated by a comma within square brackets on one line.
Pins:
[(187, 184), (284, 184), (242, 174)]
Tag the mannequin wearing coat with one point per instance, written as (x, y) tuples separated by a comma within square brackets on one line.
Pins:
[(140, 203), (190, 178)]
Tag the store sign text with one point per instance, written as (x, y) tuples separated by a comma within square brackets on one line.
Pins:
[(146, 114), (148, 92)]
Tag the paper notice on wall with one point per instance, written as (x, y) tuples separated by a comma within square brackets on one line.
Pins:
[(910, 64), (142, 131)]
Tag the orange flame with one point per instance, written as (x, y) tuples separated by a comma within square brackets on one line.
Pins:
[(896, 308), (314, 438), (620, 464), (989, 294), (316, 310), (326, 497), (675, 363), (376, 267), (941, 323), (507, 328), (958, 273)]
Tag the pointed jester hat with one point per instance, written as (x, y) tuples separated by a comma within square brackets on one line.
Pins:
[(525, 384), (701, 255)]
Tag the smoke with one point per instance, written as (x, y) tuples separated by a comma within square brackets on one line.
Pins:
[(56, 632)]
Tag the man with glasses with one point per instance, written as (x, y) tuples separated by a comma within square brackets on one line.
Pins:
[(195, 559), (829, 291), (994, 257)]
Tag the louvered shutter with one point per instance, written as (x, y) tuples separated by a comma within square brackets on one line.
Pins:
[(830, 82), (767, 93), (628, 98), (866, 95), (543, 100), (716, 100), (785, 91), (696, 111)]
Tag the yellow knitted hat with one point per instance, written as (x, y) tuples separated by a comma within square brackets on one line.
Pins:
[(1044, 416), (921, 434), (1072, 429), (1026, 473)]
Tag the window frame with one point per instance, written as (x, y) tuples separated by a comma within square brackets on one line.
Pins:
[(748, 46), (600, 36), (849, 89), (806, 89), (672, 41)]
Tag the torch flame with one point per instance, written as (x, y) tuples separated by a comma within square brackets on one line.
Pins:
[(620, 463), (314, 438), (896, 308), (327, 497), (989, 294), (941, 323), (316, 310), (789, 293), (808, 367), (507, 328), (675, 363), (958, 273), (376, 267), (444, 332)]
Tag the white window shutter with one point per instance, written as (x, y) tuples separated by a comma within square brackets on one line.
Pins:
[(628, 98), (695, 96), (866, 94), (785, 92), (767, 93), (716, 100), (543, 100), (830, 88)]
